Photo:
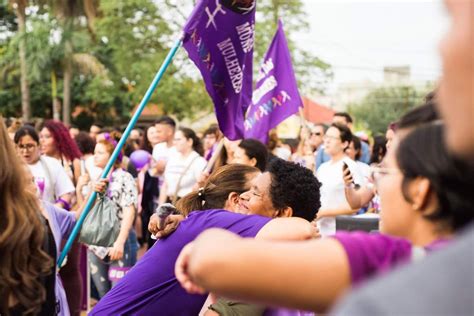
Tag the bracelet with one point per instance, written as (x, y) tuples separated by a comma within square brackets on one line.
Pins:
[(65, 204)]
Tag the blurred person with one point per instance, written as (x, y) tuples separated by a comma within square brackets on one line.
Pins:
[(27, 267), (122, 190), (95, 129), (304, 154), (85, 144), (210, 138), (390, 134), (316, 135), (395, 293), (354, 151), (426, 200), (57, 143), (73, 131), (146, 289), (14, 126), (333, 201), (344, 119), (184, 166), (53, 183), (418, 116), (133, 142), (150, 188), (251, 152), (379, 150), (150, 139), (165, 128)]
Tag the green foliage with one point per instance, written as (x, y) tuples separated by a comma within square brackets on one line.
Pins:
[(385, 105), (116, 57), (311, 72)]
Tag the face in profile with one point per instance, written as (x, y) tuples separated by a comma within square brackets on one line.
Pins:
[(257, 200), (48, 146)]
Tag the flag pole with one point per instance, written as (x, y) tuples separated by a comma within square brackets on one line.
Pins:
[(120, 144)]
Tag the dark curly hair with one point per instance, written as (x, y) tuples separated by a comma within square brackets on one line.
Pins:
[(294, 186), (62, 139), (422, 153)]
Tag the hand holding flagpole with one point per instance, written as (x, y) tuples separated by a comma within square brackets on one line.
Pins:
[(118, 148)]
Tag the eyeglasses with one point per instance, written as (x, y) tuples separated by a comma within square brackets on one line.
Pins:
[(315, 133), (27, 147), (377, 173)]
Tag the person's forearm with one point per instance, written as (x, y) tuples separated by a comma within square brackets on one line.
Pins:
[(308, 275), (358, 198), (163, 196), (126, 224), (353, 197), (292, 228)]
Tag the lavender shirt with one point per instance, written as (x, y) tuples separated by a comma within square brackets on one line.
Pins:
[(151, 288), (61, 222), (370, 254)]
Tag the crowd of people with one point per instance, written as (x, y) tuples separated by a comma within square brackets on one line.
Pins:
[(253, 228)]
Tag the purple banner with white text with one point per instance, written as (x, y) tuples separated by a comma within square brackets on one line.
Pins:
[(219, 37), (276, 95)]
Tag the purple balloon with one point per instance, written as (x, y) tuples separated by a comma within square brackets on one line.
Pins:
[(140, 158)]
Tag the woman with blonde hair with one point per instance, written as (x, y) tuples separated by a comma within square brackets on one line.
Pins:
[(25, 267)]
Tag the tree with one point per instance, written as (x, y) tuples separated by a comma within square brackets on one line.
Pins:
[(19, 7), (385, 105), (67, 12), (311, 72)]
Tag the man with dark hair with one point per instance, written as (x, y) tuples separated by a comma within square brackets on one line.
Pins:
[(333, 200), (165, 127), (343, 118)]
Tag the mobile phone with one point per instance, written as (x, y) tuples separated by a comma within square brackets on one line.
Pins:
[(344, 168)]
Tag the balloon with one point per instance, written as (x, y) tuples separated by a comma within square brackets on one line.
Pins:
[(140, 158)]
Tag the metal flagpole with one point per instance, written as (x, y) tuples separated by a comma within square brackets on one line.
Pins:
[(120, 144)]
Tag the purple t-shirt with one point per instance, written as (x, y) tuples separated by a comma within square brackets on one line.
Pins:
[(371, 253), (61, 222), (151, 288)]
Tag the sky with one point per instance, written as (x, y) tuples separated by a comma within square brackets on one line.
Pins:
[(358, 38)]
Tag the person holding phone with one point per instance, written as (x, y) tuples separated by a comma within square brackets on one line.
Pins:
[(330, 174)]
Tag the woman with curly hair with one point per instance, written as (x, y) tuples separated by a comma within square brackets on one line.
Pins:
[(23, 262), (56, 142)]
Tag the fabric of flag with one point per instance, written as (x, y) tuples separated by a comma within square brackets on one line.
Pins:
[(219, 37), (276, 95)]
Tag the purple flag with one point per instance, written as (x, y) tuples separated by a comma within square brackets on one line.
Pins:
[(219, 39), (276, 95)]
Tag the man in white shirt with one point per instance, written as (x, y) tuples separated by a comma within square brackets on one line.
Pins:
[(333, 199), (165, 127)]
